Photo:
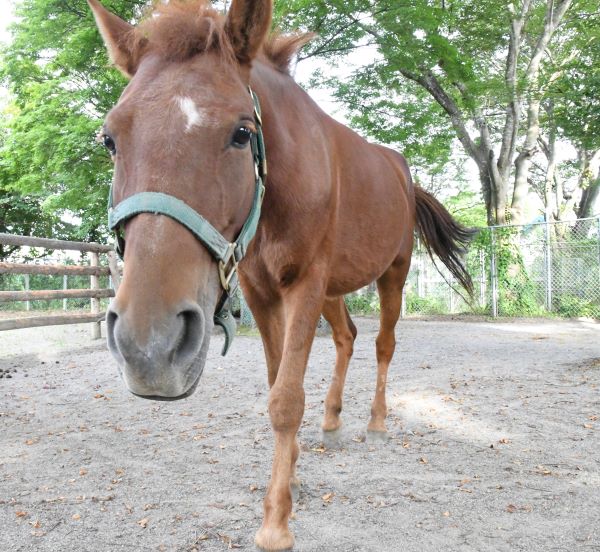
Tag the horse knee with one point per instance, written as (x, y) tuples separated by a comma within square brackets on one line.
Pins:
[(286, 408)]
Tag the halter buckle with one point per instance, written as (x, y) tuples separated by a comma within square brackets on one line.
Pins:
[(228, 267)]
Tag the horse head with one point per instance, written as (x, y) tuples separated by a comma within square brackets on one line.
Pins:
[(183, 128)]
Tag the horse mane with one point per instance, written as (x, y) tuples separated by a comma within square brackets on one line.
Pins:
[(181, 29)]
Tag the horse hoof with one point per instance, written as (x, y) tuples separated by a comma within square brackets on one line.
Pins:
[(274, 539), (375, 437), (332, 439)]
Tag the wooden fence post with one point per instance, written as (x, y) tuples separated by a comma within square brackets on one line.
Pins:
[(65, 286), (95, 303), (27, 303)]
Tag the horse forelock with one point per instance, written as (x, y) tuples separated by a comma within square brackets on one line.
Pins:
[(180, 30)]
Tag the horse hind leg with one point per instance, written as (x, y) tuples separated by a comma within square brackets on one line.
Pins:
[(389, 286), (344, 333)]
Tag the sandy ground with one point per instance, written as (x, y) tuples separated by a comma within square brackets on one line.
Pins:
[(495, 445)]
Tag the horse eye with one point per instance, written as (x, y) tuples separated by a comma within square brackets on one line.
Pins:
[(109, 144), (241, 137)]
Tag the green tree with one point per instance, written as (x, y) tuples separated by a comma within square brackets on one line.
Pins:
[(22, 213), (575, 100), (480, 65), (61, 85)]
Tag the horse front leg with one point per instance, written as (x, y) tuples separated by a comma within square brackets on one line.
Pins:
[(302, 306)]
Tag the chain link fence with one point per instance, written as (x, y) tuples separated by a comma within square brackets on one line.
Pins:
[(529, 270)]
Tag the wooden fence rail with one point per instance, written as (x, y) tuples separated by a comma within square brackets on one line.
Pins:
[(94, 293), (53, 269), (49, 295), (46, 243)]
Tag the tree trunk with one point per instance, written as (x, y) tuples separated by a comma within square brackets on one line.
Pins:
[(555, 12), (589, 184), (551, 199), (588, 199)]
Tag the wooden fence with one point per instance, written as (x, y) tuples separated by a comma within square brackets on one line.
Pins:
[(94, 271)]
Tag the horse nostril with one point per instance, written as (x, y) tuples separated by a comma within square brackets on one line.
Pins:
[(111, 322), (190, 338)]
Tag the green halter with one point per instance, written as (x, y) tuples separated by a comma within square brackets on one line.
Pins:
[(227, 254)]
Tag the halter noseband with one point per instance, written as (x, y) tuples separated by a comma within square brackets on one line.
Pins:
[(227, 254)]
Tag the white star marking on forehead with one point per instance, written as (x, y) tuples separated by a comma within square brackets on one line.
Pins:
[(194, 116)]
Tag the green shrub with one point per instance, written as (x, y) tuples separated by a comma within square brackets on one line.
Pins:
[(425, 305), (573, 307), (365, 303)]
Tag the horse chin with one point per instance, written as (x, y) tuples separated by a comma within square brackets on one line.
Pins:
[(173, 390), (184, 395)]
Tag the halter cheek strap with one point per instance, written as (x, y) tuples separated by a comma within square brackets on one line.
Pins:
[(227, 254)]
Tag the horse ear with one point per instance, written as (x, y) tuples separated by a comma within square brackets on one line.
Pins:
[(118, 38), (247, 25)]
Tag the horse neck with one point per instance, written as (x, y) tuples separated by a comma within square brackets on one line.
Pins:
[(288, 111)]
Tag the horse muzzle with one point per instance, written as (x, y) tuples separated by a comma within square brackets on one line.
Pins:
[(161, 360)]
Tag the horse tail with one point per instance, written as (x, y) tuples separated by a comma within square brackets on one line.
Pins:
[(443, 236)]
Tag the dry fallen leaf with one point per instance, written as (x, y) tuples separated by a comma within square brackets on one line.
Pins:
[(423, 460), (143, 522), (327, 497), (504, 441), (21, 513), (446, 514), (228, 541), (76, 517), (511, 508), (83, 471), (588, 426)]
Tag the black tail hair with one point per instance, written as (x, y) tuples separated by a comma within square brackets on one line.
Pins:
[(443, 236)]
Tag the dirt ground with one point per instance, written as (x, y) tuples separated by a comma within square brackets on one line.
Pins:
[(495, 445)]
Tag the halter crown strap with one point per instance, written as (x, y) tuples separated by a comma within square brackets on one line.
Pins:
[(227, 254)]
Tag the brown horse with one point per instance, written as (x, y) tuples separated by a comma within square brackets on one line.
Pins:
[(338, 213)]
